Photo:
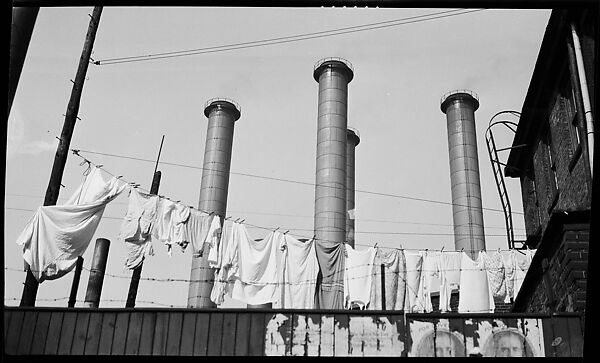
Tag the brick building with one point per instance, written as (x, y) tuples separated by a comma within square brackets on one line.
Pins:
[(550, 157)]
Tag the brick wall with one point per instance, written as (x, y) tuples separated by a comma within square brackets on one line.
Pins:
[(562, 284)]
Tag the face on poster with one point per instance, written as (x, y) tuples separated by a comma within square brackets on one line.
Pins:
[(523, 338), (435, 340)]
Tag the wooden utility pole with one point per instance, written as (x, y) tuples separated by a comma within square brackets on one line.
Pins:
[(75, 285), (60, 159)]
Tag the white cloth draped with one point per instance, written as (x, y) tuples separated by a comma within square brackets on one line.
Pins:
[(57, 235)]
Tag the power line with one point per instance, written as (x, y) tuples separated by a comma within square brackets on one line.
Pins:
[(287, 39), (293, 181)]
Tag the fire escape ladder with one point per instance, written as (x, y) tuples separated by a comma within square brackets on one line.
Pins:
[(497, 168)]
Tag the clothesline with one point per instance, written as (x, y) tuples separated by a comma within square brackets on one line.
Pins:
[(238, 220), (167, 279)]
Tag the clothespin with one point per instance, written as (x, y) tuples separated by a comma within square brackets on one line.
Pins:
[(226, 218), (375, 245), (276, 229), (99, 165), (119, 177), (286, 231), (211, 213), (242, 221), (462, 249), (442, 248)]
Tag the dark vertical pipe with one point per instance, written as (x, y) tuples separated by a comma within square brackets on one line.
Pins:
[(60, 158), (23, 22), (75, 285), (137, 272), (94, 288), (382, 286), (580, 125), (352, 141)]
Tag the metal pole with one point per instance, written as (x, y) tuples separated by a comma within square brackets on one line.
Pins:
[(585, 95), (23, 22), (382, 286), (94, 288), (75, 285), (60, 159), (137, 272)]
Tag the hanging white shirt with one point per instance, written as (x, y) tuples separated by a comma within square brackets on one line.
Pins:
[(226, 274), (257, 268), (179, 218), (475, 294), (523, 261), (297, 270), (200, 229), (414, 263), (429, 275), (137, 227), (449, 277), (494, 267), (394, 270), (216, 243), (57, 235), (358, 276)]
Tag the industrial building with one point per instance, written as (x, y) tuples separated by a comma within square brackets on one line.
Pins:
[(552, 157)]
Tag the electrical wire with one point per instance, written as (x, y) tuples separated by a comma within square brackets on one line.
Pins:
[(287, 39), (294, 181)]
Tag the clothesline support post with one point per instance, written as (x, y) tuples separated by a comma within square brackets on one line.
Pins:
[(60, 159), (75, 285), (382, 286), (137, 272), (94, 288)]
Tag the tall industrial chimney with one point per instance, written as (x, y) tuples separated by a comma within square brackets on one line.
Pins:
[(333, 75), (459, 107), (222, 114), (352, 141)]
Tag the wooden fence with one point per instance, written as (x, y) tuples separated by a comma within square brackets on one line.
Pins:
[(233, 332)]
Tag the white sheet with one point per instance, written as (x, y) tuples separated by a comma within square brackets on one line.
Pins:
[(57, 235)]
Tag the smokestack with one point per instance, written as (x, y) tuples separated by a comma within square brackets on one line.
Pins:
[(352, 141), (222, 114), (459, 107), (333, 75)]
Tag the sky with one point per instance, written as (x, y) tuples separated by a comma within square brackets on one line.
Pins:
[(400, 74)]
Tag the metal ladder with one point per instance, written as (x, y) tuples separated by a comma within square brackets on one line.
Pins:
[(499, 175)]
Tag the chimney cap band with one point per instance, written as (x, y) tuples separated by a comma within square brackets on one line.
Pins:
[(333, 62), (460, 94), (224, 103)]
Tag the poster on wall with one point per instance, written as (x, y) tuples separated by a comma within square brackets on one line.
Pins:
[(476, 337)]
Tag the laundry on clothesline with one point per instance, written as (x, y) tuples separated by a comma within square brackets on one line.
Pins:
[(56, 235)]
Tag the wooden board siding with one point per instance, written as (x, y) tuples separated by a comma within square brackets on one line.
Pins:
[(220, 332)]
